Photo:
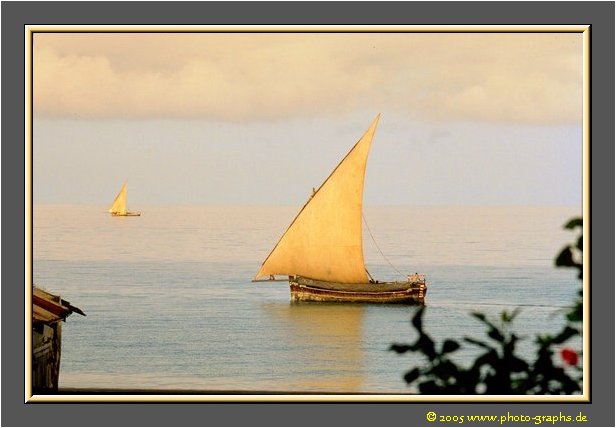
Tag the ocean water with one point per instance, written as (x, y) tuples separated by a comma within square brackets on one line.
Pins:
[(170, 303)]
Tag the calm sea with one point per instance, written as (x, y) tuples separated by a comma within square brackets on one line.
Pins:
[(170, 303)]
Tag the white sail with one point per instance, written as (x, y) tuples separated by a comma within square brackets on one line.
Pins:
[(119, 204), (324, 241)]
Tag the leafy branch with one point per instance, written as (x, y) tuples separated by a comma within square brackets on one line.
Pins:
[(498, 370)]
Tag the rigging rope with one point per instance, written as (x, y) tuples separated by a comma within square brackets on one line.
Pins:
[(377, 246)]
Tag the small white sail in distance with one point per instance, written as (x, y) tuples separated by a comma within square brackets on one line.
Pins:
[(324, 241)]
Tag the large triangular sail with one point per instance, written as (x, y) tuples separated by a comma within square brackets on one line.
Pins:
[(119, 204), (324, 241)]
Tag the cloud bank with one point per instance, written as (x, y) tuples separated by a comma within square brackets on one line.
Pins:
[(525, 78)]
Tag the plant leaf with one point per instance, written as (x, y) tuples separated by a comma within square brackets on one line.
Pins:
[(573, 223), (565, 258), (411, 376), (400, 348), (449, 346), (580, 242), (496, 335), (567, 333)]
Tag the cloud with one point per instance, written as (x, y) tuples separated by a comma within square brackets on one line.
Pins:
[(530, 78)]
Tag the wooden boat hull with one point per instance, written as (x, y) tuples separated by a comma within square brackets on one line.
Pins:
[(126, 215), (304, 289)]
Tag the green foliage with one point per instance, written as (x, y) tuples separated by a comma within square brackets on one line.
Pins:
[(498, 370)]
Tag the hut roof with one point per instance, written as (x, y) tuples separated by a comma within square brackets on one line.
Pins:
[(48, 308)]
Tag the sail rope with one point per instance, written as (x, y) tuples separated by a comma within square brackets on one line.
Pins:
[(377, 246)]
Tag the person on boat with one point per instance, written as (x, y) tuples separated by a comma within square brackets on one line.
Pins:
[(372, 280)]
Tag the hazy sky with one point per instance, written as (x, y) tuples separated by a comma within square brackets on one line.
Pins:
[(262, 118)]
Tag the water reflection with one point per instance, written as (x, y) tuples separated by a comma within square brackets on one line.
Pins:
[(326, 339)]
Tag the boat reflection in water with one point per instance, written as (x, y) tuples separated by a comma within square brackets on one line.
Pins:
[(323, 339)]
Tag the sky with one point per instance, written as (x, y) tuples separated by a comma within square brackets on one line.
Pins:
[(262, 118)]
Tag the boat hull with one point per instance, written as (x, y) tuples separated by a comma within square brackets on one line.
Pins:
[(309, 290), (126, 215)]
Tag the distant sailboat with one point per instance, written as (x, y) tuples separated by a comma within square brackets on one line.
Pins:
[(118, 208), (322, 249)]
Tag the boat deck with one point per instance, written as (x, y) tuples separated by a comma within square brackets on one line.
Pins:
[(378, 287), (305, 289)]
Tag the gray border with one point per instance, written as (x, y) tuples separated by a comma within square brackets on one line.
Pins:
[(600, 15)]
